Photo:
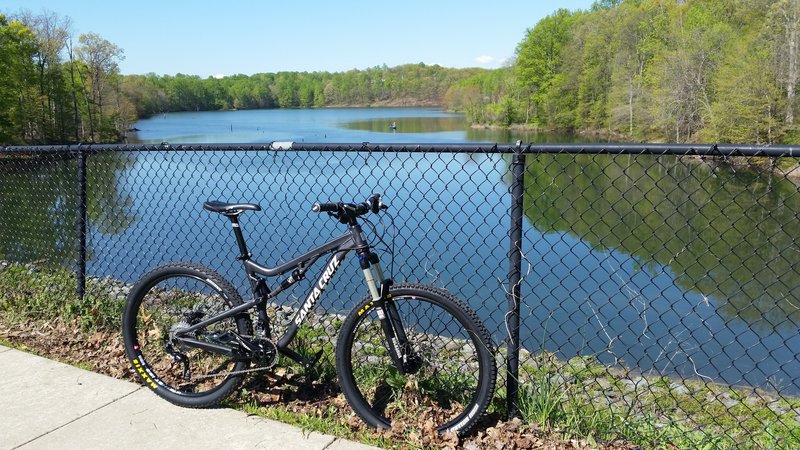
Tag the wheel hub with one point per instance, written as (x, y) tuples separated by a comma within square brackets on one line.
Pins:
[(173, 331)]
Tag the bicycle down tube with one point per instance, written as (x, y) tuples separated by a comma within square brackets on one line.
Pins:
[(311, 299)]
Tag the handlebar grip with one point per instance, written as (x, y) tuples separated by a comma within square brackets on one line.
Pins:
[(325, 207), (374, 202)]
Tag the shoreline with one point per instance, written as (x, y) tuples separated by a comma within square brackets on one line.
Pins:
[(759, 164), (395, 103)]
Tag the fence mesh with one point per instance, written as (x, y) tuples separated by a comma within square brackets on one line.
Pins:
[(658, 289)]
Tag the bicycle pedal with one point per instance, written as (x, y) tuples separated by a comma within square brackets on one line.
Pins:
[(311, 362), (187, 373)]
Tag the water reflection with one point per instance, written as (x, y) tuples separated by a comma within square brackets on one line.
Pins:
[(730, 236), (38, 206), (409, 124), (677, 231), (425, 124)]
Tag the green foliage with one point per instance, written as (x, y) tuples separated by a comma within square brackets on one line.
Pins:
[(54, 92), (688, 71), (398, 86), (542, 402), (540, 58), (17, 47), (26, 292), (748, 98), (696, 70)]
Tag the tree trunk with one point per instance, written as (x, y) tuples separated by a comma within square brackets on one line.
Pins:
[(791, 18), (630, 107)]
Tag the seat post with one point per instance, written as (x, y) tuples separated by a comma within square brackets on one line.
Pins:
[(237, 231)]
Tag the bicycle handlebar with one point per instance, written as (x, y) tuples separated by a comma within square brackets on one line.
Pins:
[(373, 204), (325, 207)]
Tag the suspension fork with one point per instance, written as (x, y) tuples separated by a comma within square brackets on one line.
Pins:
[(400, 350)]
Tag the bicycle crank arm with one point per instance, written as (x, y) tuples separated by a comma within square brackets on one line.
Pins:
[(307, 363)]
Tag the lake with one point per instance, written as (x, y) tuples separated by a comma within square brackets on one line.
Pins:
[(655, 263), (324, 125)]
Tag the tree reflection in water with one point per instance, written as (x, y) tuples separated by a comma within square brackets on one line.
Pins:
[(730, 235), (38, 205)]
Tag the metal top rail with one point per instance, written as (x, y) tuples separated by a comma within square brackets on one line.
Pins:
[(526, 148)]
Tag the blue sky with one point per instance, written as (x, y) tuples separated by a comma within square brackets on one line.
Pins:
[(249, 36)]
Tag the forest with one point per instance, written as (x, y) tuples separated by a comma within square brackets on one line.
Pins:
[(647, 70), (56, 90), (655, 70), (406, 85)]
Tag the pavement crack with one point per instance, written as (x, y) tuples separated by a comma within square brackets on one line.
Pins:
[(330, 443), (77, 418)]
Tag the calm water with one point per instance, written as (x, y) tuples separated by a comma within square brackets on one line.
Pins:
[(323, 125), (653, 262)]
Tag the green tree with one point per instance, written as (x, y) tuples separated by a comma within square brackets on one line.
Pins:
[(53, 119), (17, 48), (747, 105), (285, 90), (539, 59), (784, 20), (475, 94), (636, 41), (682, 76), (305, 91), (188, 93), (100, 59)]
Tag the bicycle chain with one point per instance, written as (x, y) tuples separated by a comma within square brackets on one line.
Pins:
[(235, 372)]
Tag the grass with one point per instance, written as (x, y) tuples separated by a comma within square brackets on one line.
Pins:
[(14, 345), (325, 420), (27, 292), (576, 398), (590, 400), (310, 340), (541, 402)]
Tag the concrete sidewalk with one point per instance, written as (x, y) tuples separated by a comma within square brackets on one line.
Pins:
[(45, 404)]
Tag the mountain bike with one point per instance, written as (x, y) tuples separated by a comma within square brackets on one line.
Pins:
[(405, 352)]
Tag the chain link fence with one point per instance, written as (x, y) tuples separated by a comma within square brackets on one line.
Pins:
[(630, 289)]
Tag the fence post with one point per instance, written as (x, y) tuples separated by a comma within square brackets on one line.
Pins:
[(514, 281), (81, 223)]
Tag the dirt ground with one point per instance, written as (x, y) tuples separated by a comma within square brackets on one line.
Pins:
[(103, 352)]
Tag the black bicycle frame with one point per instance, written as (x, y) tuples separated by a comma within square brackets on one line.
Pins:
[(339, 247)]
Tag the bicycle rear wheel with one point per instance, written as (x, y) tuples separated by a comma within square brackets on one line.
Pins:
[(174, 297), (452, 378)]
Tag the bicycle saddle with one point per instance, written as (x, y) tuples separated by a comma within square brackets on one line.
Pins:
[(230, 208)]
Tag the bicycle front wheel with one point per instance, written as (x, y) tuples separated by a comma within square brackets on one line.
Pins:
[(451, 378), (171, 298)]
